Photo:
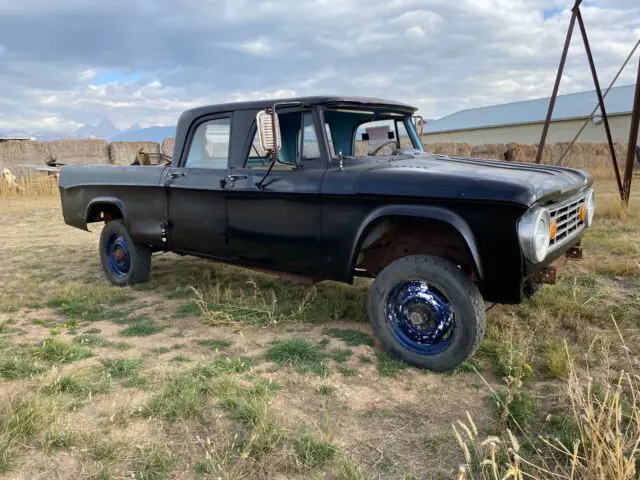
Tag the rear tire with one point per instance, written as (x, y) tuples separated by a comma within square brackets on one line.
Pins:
[(124, 262), (426, 311)]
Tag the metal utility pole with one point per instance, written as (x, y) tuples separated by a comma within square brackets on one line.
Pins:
[(624, 187), (556, 86), (633, 141)]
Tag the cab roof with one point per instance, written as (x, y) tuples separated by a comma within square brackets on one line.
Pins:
[(309, 101), (190, 116)]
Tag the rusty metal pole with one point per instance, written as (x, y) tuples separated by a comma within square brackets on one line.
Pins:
[(633, 141), (603, 110), (556, 86)]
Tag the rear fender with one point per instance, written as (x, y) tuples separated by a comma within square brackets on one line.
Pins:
[(112, 201)]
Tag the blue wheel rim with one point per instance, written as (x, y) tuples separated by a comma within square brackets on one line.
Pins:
[(420, 317), (118, 258)]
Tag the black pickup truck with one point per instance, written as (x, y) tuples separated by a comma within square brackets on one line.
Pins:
[(328, 188)]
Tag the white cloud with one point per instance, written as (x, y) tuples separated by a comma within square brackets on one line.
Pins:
[(260, 95), (260, 47), (88, 74), (440, 55)]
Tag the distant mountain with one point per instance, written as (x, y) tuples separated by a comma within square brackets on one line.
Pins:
[(47, 136), (105, 129), (43, 135), (12, 133), (151, 134)]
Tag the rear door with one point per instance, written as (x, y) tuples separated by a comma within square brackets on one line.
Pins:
[(196, 204)]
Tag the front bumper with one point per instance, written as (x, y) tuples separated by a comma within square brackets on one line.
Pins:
[(550, 273)]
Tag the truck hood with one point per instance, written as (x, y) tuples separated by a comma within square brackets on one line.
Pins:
[(465, 178)]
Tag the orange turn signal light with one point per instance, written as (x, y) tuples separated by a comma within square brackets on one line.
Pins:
[(583, 213), (554, 230)]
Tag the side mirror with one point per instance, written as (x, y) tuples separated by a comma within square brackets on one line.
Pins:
[(269, 131)]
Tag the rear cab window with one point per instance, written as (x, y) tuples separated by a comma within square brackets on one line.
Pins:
[(210, 145)]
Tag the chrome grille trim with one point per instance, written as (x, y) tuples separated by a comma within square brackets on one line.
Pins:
[(566, 213)]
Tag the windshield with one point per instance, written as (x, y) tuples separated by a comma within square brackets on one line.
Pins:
[(360, 133)]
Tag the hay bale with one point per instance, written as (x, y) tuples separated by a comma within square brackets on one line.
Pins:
[(83, 152), (527, 153), (518, 152), (360, 148), (125, 153), (495, 151), (167, 146), (443, 148), (451, 149), (463, 149), (15, 153)]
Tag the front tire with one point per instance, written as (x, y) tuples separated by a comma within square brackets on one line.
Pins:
[(124, 262), (427, 311)]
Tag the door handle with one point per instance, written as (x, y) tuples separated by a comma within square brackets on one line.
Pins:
[(235, 177), (174, 175)]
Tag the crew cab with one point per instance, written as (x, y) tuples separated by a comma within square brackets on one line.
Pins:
[(328, 188)]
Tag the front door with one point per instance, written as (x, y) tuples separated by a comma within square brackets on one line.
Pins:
[(278, 227), (197, 217)]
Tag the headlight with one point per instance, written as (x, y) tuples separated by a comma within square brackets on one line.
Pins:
[(590, 205), (534, 231)]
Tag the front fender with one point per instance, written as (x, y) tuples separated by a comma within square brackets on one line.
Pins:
[(424, 212)]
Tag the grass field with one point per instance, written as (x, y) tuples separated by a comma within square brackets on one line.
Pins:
[(209, 371)]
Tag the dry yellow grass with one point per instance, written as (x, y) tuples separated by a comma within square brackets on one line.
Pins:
[(30, 186), (198, 397), (604, 417)]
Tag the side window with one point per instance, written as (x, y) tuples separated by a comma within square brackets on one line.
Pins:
[(332, 148), (257, 158), (293, 146), (403, 135), (210, 145), (310, 147)]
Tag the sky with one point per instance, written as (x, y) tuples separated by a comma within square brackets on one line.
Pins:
[(65, 63)]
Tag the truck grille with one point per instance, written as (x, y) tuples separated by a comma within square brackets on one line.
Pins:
[(567, 216)]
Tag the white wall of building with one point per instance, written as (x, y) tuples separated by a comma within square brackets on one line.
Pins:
[(559, 131)]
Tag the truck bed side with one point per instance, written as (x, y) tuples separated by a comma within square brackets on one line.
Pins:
[(137, 192)]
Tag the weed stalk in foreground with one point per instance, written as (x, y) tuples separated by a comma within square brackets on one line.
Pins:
[(607, 444)]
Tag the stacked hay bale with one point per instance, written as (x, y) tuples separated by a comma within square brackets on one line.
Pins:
[(124, 153), (517, 152), (361, 148), (83, 152), (582, 155), (450, 148), (15, 153), (495, 151), (167, 146)]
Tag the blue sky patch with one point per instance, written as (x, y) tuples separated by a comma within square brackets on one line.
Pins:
[(112, 76), (551, 12)]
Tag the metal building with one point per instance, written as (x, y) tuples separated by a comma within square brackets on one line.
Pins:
[(522, 122)]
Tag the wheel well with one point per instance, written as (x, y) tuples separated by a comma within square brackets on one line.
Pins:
[(392, 238), (103, 212)]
